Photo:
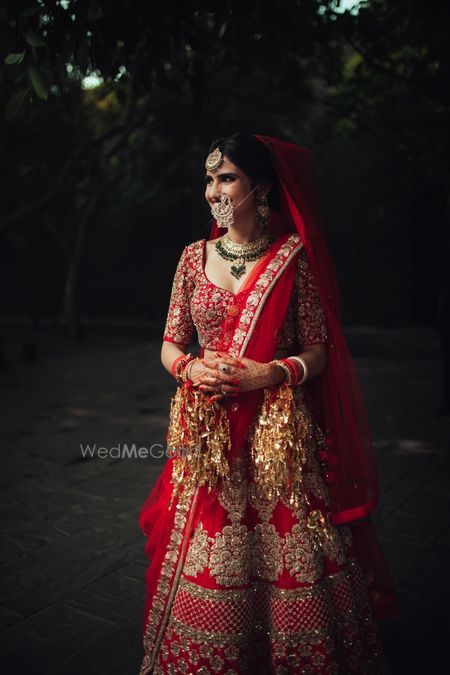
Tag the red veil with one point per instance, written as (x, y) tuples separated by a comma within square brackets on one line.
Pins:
[(335, 395)]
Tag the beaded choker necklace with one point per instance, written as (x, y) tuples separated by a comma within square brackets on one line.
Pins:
[(242, 253)]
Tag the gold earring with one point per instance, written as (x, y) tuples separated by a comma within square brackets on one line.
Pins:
[(262, 210)]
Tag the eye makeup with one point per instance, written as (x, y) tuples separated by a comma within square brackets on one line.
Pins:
[(222, 177)]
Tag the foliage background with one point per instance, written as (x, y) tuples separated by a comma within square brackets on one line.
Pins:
[(108, 108)]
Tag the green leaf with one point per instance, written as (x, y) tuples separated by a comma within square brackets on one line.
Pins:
[(33, 39), (14, 57), (17, 104), (39, 82)]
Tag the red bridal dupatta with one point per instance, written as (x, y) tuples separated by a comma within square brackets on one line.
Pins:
[(335, 396)]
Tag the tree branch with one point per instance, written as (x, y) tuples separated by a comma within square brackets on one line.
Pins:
[(25, 212)]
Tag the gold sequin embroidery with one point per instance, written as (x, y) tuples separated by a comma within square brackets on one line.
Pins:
[(302, 558), (267, 552), (196, 304), (168, 580), (231, 556), (197, 558)]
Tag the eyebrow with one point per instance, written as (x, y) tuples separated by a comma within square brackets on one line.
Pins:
[(225, 173)]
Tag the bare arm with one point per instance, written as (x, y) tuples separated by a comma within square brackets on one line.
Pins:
[(315, 358), (169, 352)]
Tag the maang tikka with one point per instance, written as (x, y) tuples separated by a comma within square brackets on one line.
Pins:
[(214, 160)]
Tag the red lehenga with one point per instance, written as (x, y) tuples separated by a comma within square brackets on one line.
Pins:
[(251, 567)]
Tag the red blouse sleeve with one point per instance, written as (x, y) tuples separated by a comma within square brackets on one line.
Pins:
[(310, 321), (179, 325)]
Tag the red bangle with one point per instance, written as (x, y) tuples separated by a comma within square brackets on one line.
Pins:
[(179, 365), (174, 364), (294, 370)]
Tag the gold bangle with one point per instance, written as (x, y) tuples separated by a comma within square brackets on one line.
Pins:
[(186, 374), (181, 367), (280, 363)]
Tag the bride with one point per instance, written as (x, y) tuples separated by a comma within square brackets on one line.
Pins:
[(263, 557)]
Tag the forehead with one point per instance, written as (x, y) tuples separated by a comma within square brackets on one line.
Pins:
[(227, 166)]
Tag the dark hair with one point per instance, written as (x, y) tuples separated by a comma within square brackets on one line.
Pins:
[(251, 156)]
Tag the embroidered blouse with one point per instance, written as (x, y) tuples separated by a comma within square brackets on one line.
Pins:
[(198, 305)]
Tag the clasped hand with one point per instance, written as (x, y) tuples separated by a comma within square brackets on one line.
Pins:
[(245, 375)]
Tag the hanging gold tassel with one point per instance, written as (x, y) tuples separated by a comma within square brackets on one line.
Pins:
[(281, 444), (199, 438)]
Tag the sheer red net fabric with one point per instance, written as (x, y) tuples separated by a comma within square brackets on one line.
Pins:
[(335, 396)]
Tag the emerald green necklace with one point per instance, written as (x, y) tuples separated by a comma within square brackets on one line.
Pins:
[(242, 253)]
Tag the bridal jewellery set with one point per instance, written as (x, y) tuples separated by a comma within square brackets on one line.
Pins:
[(223, 212), (242, 253), (204, 432)]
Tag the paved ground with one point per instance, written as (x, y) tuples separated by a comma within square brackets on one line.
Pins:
[(72, 556)]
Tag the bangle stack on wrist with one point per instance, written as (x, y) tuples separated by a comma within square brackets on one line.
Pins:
[(179, 365), (288, 373), (304, 365), (291, 367), (186, 372)]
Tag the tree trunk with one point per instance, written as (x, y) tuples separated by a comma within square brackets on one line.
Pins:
[(71, 305)]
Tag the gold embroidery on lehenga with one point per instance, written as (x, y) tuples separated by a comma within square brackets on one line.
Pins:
[(175, 648), (267, 552), (314, 483), (167, 583), (205, 636), (233, 491), (304, 628), (206, 651), (231, 556), (197, 558), (231, 652), (303, 560), (262, 503), (327, 537), (236, 552), (257, 588), (332, 546)]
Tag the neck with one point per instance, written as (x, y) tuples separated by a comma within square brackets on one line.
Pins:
[(244, 230)]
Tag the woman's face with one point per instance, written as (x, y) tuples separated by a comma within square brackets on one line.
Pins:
[(229, 180)]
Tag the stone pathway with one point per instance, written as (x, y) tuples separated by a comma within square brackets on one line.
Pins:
[(73, 560)]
